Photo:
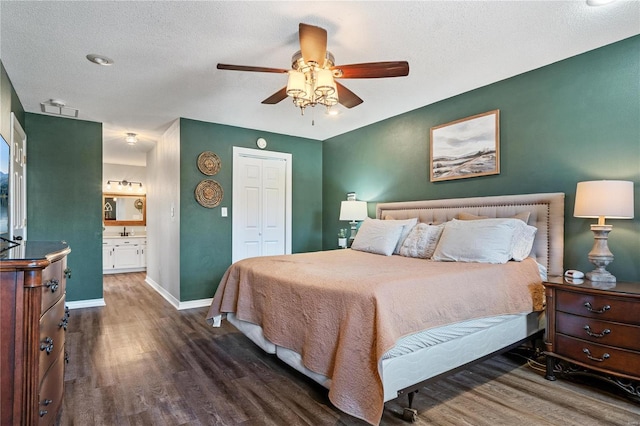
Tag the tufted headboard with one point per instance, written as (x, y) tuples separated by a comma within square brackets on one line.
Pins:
[(546, 214)]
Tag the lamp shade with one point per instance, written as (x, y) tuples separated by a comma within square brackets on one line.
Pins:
[(296, 84), (611, 199), (353, 210)]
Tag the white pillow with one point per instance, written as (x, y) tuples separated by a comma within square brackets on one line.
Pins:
[(407, 226), (378, 236), (484, 241), (522, 242), (421, 241)]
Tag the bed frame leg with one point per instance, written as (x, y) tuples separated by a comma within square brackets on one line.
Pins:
[(409, 414)]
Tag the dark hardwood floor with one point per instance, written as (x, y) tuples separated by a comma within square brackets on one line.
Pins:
[(138, 361)]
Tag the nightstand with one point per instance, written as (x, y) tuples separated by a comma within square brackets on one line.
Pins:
[(595, 327)]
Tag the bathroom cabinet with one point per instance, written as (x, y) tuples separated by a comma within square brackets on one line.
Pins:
[(124, 254)]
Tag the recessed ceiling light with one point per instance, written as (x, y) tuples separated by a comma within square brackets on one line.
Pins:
[(100, 59), (599, 2)]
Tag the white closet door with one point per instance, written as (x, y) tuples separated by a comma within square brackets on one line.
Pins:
[(247, 209), (273, 203), (261, 204)]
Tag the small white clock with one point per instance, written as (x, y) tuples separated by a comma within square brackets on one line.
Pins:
[(262, 143)]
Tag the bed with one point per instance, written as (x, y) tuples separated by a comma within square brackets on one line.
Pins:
[(371, 327)]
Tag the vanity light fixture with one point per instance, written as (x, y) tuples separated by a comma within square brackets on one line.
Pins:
[(131, 138), (124, 184)]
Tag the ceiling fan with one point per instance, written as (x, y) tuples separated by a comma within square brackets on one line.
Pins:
[(313, 73)]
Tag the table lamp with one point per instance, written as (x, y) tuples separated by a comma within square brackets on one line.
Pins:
[(353, 211), (610, 199)]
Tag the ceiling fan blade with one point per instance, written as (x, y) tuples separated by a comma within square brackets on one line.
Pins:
[(373, 70), (249, 68), (346, 97), (313, 43), (276, 97)]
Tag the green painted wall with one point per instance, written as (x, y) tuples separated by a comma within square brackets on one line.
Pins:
[(575, 120), (64, 194), (205, 236)]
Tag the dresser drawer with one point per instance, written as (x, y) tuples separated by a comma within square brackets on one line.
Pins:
[(52, 329), (597, 331), (600, 307), (598, 356), (53, 283), (51, 392)]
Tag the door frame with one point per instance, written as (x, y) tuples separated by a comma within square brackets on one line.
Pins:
[(18, 206), (239, 152)]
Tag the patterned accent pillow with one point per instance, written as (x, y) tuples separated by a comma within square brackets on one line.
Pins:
[(421, 241), (407, 226)]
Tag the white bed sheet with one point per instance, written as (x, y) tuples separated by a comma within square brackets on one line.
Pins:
[(425, 354)]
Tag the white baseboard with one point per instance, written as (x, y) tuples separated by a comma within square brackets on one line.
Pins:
[(163, 292), (199, 303), (90, 303), (189, 304)]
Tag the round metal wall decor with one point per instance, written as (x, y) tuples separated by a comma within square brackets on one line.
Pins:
[(209, 163), (209, 193)]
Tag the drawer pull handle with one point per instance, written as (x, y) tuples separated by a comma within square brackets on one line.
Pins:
[(592, 358), (67, 273), (47, 345), (64, 322), (53, 285), (46, 402), (43, 413), (592, 334), (604, 309)]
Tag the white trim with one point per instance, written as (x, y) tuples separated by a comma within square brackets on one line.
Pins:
[(89, 303), (269, 155), (191, 304), (163, 292), (123, 270)]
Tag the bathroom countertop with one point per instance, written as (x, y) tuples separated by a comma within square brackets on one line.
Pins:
[(128, 236)]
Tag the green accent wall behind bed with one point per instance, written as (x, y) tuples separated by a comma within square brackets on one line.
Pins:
[(574, 120)]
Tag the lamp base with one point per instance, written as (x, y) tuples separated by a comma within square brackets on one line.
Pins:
[(600, 255), (600, 276)]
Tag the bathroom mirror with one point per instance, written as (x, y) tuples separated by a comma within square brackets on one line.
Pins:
[(124, 210)]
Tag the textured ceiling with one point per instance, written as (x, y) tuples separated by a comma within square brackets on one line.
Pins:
[(166, 53)]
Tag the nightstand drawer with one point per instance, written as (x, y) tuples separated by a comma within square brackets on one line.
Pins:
[(599, 356), (600, 307), (601, 332)]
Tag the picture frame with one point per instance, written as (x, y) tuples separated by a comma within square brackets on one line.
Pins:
[(464, 148)]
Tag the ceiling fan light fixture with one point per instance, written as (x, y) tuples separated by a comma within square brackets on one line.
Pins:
[(324, 83), (296, 85)]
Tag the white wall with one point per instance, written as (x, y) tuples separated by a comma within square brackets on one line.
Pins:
[(163, 227)]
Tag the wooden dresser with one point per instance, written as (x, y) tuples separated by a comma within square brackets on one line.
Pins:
[(595, 326), (33, 320)]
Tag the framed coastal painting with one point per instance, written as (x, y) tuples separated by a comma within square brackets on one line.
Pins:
[(466, 148)]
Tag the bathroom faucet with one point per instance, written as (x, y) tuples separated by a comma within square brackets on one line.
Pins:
[(124, 232)]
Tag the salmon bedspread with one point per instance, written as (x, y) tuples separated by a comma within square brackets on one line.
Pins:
[(343, 309)]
